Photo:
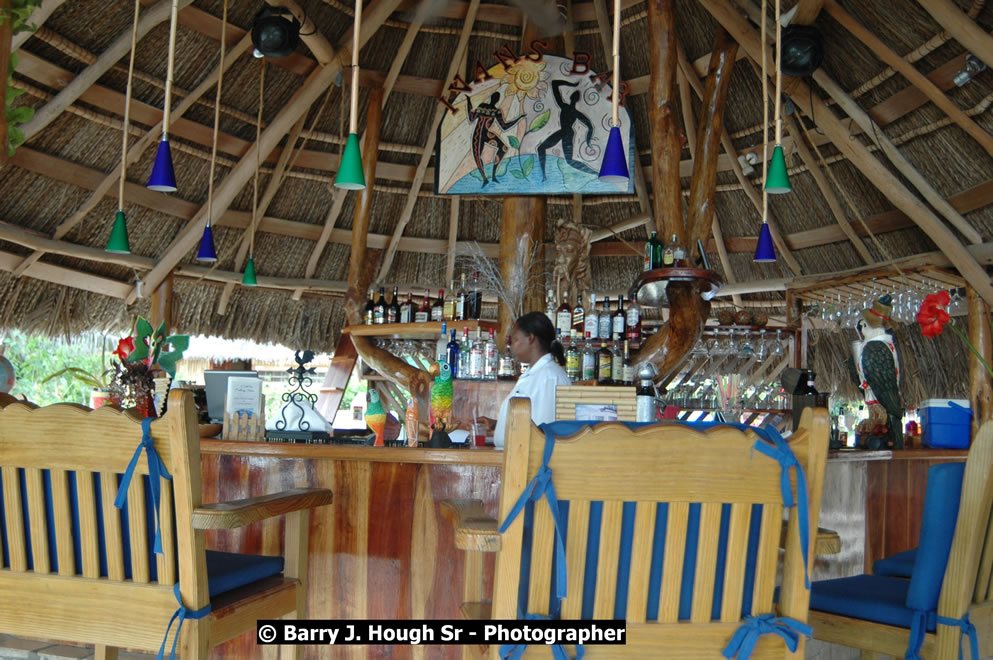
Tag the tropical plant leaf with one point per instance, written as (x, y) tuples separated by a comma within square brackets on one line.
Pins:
[(502, 167), (517, 174), (528, 166), (20, 115), (513, 142), (80, 375), (476, 174), (142, 340), (540, 121)]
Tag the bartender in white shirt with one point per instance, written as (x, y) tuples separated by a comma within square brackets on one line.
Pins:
[(533, 341)]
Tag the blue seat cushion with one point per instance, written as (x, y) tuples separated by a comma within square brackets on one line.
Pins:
[(867, 597), (229, 570), (899, 565)]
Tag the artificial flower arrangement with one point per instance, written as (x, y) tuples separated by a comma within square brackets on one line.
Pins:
[(933, 316), (141, 359)]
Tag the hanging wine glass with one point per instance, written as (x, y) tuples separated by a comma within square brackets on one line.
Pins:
[(762, 350), (778, 350), (745, 349)]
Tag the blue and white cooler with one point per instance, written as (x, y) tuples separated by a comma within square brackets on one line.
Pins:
[(946, 423)]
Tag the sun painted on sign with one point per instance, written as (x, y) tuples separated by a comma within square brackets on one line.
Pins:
[(532, 124)]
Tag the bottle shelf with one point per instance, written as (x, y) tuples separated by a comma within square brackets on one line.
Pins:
[(429, 330), (649, 288)]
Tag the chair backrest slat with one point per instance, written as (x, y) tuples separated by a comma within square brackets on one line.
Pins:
[(38, 519), (706, 562), (136, 528), (607, 560), (541, 559), (89, 536), (768, 556), (62, 512), (112, 527), (984, 583), (16, 542), (575, 558), (167, 560), (672, 561), (641, 561), (735, 566)]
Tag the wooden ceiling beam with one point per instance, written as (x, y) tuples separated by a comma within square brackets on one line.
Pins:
[(908, 71), (806, 11), (37, 19), (66, 277), (874, 170), (962, 28)]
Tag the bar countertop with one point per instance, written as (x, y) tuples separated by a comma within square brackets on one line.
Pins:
[(483, 456)]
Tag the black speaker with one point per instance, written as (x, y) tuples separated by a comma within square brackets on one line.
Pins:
[(273, 35), (802, 50)]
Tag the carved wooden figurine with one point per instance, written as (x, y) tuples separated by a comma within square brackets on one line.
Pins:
[(572, 258)]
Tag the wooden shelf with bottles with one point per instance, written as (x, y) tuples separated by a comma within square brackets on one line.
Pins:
[(428, 330)]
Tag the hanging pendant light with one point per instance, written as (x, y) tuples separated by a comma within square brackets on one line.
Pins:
[(777, 180), (207, 252), (248, 279), (163, 177), (119, 243), (614, 166), (350, 175), (764, 251)]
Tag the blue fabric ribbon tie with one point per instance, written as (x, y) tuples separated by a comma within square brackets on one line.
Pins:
[(156, 471), (182, 614), (967, 628), (781, 452), (747, 635), (516, 651), (541, 486), (923, 620)]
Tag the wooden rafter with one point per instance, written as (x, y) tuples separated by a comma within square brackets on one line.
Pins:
[(962, 28), (37, 19), (225, 193), (408, 208), (859, 155), (907, 70)]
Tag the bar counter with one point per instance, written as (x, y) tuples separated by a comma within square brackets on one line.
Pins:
[(383, 551)]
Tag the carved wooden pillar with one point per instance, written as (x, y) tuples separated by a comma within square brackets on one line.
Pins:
[(663, 121), (362, 267), (160, 308), (522, 235), (980, 383)]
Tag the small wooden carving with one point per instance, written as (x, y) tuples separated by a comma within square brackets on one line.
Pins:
[(572, 259)]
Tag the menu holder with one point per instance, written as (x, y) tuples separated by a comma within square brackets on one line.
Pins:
[(244, 410), (245, 426)]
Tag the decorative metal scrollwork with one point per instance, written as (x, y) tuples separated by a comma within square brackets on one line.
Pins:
[(299, 380)]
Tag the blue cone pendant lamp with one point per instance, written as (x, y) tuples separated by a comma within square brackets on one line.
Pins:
[(778, 181), (163, 177), (118, 243), (248, 279), (350, 175), (614, 167), (765, 253), (206, 251)]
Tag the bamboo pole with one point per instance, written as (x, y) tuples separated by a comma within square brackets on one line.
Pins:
[(980, 382)]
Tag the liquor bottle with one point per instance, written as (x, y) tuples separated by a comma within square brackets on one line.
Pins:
[(579, 314), (650, 260), (646, 408), (393, 311), (460, 296), (669, 253), (449, 309), (407, 309), (605, 322), (679, 256), (465, 353), (588, 360), (603, 364), (438, 308), (506, 369), (474, 299), (563, 318), (490, 358), (369, 306), (441, 346), (633, 322), (379, 310), (423, 315), (618, 322), (592, 324), (616, 364), (476, 357), (628, 370), (551, 309), (452, 353), (572, 359)]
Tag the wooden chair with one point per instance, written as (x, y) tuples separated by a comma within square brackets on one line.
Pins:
[(76, 568), (717, 546), (963, 585)]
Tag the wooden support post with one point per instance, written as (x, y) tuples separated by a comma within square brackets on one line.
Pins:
[(662, 121), (6, 34), (160, 308), (522, 233), (980, 382)]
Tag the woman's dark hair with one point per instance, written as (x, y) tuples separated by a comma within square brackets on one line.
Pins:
[(538, 325)]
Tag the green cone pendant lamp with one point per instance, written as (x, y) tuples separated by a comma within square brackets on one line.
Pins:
[(248, 279), (777, 181), (350, 175), (118, 242)]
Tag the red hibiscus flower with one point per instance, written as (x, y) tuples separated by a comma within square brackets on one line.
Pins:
[(932, 315), (124, 348)]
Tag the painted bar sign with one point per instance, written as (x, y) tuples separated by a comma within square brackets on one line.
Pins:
[(532, 124)]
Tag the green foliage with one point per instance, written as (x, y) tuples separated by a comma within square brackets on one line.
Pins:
[(540, 121), (38, 361), (18, 14)]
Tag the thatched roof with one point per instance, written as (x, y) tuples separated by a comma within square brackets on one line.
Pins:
[(52, 175)]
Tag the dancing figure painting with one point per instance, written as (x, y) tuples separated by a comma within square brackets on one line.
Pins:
[(535, 124)]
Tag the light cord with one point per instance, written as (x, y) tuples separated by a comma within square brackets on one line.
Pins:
[(217, 116), (615, 114), (127, 109), (258, 164), (765, 116), (353, 121), (169, 69)]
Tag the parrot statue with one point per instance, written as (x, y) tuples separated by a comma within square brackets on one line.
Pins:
[(375, 417), (875, 369), (441, 396)]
